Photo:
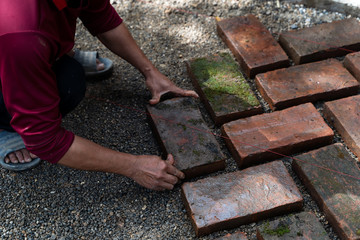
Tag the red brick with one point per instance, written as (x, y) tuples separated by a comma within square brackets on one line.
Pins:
[(336, 194), (322, 41), (303, 225), (344, 115), (222, 88), (352, 63), (271, 135), (181, 131), (236, 198), (252, 44), (325, 80), (233, 236)]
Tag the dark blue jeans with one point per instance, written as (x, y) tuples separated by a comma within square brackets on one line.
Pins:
[(70, 79)]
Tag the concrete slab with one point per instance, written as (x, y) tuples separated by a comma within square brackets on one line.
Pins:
[(324, 80), (336, 194), (222, 88), (323, 41), (272, 135), (232, 199), (181, 131), (252, 44), (344, 115)]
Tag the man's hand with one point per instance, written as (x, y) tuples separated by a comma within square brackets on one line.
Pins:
[(158, 84), (154, 173)]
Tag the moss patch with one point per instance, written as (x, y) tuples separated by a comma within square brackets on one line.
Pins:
[(219, 77), (279, 231)]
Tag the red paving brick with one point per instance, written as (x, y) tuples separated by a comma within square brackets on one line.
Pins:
[(252, 44), (233, 236), (336, 194), (303, 225), (344, 115), (181, 131), (236, 198), (352, 63), (324, 80), (322, 41), (222, 88), (258, 138)]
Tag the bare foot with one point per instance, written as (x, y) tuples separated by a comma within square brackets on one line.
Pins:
[(19, 156)]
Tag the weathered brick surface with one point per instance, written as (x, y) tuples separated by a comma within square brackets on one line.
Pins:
[(258, 138), (233, 236), (252, 44), (222, 88), (324, 80), (322, 41), (303, 225), (344, 115), (352, 63), (182, 132), (336, 194), (236, 198)]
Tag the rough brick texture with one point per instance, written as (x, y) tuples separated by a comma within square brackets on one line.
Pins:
[(324, 80), (233, 236), (236, 198), (336, 194), (322, 41), (271, 135), (352, 63), (252, 44), (182, 132), (344, 115), (303, 225), (222, 88)]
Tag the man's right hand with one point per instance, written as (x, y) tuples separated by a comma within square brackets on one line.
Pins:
[(154, 173)]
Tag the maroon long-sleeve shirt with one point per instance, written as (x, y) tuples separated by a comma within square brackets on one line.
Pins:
[(33, 34)]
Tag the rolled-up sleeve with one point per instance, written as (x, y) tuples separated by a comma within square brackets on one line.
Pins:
[(100, 17), (31, 96)]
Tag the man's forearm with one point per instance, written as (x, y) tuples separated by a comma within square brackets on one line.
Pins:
[(120, 42)]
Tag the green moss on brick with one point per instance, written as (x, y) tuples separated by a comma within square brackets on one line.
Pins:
[(219, 77), (279, 231)]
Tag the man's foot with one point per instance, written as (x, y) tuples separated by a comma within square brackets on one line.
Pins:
[(99, 65), (19, 156)]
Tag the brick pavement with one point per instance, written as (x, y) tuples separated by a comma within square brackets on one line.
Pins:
[(252, 44), (240, 197), (257, 139), (312, 82), (322, 41), (303, 225), (263, 191), (344, 115), (336, 194), (223, 89)]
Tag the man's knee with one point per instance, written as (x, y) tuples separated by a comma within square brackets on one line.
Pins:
[(71, 83)]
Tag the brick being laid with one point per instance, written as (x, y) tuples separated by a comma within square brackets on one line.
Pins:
[(252, 44), (322, 41), (222, 88), (270, 136), (311, 82), (332, 177), (180, 129), (344, 115), (233, 199), (352, 63)]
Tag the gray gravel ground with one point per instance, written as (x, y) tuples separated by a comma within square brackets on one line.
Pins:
[(54, 202)]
